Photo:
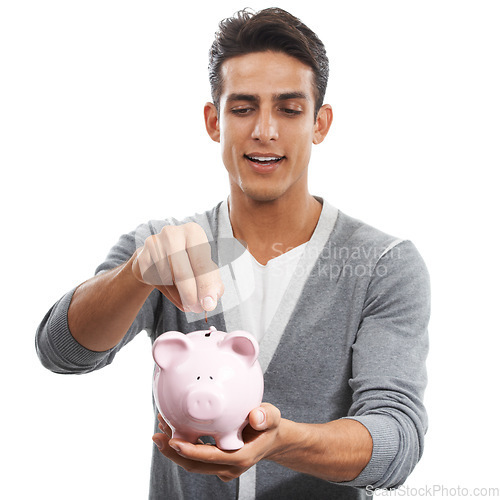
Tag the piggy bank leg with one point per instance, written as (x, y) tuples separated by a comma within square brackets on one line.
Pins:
[(185, 436), (230, 441)]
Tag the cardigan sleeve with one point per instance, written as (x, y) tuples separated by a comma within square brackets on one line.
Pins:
[(58, 350), (388, 369)]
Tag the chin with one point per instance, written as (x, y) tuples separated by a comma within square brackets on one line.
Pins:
[(262, 194)]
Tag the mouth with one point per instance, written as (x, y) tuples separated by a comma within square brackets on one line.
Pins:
[(264, 159), (264, 163)]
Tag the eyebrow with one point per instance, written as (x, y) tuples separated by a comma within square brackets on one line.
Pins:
[(285, 96)]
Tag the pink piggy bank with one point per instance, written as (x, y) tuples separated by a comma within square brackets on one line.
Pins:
[(206, 383)]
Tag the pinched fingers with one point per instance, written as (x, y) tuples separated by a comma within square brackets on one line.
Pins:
[(151, 264), (178, 262)]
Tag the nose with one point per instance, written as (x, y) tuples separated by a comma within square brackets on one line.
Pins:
[(203, 404), (266, 127)]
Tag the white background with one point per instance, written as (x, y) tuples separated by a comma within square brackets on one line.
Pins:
[(101, 129)]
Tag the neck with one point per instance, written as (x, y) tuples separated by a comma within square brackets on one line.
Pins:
[(270, 228)]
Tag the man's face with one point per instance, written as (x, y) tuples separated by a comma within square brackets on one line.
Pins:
[(266, 123)]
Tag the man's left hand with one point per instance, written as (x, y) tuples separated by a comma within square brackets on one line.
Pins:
[(260, 437)]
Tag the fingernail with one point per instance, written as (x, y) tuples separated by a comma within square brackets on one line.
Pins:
[(174, 446), (158, 442), (261, 417), (209, 303)]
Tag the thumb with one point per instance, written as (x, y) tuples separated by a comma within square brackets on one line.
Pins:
[(266, 416)]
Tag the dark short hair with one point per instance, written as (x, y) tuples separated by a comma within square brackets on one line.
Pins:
[(269, 29)]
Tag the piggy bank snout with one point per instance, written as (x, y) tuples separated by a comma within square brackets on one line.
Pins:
[(204, 404)]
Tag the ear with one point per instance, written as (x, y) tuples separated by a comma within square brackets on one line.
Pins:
[(212, 121), (323, 123), (171, 347), (243, 344)]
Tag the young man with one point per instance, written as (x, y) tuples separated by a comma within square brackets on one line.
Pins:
[(340, 309)]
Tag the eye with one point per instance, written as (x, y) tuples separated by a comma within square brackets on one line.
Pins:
[(241, 111), (289, 111)]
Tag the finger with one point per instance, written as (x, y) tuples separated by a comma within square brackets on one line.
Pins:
[(145, 271), (166, 430), (158, 273), (143, 266), (184, 280), (162, 442), (164, 427), (153, 262), (266, 416), (161, 265), (161, 274), (205, 453), (208, 281), (150, 266), (173, 243)]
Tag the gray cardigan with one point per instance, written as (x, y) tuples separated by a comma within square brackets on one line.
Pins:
[(349, 340)]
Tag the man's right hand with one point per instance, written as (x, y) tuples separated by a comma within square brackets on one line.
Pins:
[(177, 261)]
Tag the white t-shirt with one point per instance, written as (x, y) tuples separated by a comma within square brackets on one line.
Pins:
[(264, 292), (270, 282)]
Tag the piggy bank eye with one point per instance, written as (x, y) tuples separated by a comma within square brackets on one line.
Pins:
[(198, 378)]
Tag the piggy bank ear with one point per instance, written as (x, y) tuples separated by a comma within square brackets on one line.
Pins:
[(243, 344), (170, 348)]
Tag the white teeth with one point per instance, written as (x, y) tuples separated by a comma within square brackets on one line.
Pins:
[(265, 158)]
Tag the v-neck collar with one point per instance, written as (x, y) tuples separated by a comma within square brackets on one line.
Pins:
[(231, 298)]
